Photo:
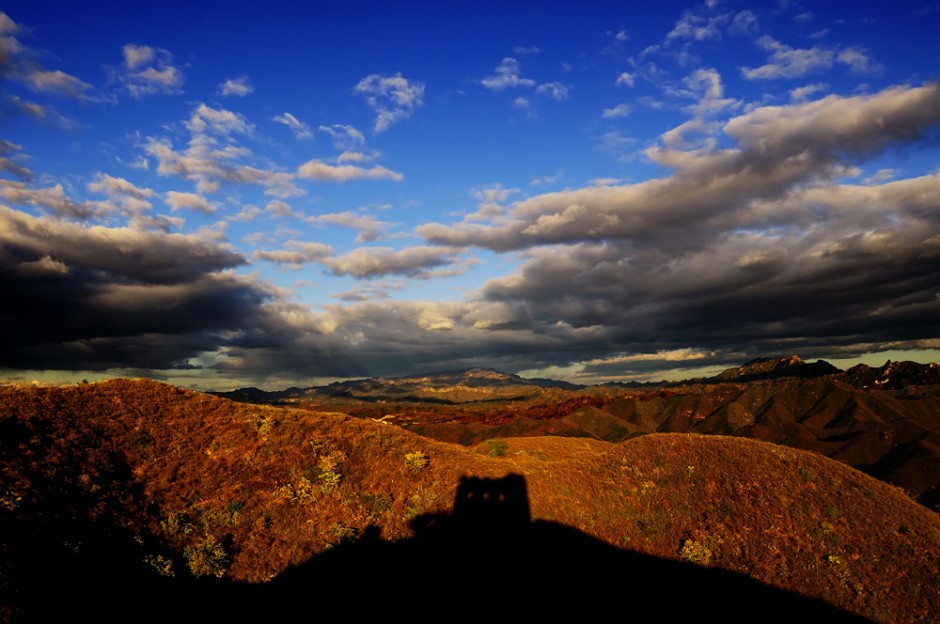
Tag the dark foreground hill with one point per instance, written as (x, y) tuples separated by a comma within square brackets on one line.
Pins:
[(136, 501)]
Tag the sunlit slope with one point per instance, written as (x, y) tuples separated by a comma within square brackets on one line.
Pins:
[(209, 487)]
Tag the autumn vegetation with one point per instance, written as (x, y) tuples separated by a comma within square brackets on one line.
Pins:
[(191, 492)]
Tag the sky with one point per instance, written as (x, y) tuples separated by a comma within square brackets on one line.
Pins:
[(272, 195)]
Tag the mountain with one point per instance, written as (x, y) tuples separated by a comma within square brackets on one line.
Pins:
[(773, 368), (451, 387), (131, 499), (894, 376)]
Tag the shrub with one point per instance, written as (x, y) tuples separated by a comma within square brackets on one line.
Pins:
[(208, 557), (498, 448), (160, 564), (695, 552), (417, 461)]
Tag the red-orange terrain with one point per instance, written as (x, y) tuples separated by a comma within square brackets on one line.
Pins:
[(131, 500)]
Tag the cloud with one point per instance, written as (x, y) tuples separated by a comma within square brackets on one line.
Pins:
[(393, 98), (19, 62), (213, 158), (369, 227), (372, 262), (507, 75), (778, 148), (697, 28), (321, 171), (787, 62), (345, 137), (134, 298), (58, 83), (51, 200), (280, 208), (123, 197), (190, 201), (296, 254), (858, 61), (149, 71), (218, 121), (625, 78), (299, 128), (801, 94), (554, 90), (10, 165), (617, 112), (240, 87), (357, 157), (754, 239), (704, 84)]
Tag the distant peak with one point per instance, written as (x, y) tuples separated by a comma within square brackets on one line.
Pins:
[(785, 366)]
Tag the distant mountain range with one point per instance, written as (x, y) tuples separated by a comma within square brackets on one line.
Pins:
[(482, 384), (884, 421)]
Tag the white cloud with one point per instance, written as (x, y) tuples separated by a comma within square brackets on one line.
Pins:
[(507, 76), (295, 254), (240, 87), (192, 201), (218, 121), (58, 83), (858, 61), (280, 208), (554, 90), (299, 128), (393, 98), (801, 94), (212, 157), (149, 71), (345, 137), (619, 111), (705, 85), (52, 199), (319, 170), (369, 227), (697, 28), (371, 262), (357, 157), (625, 78), (787, 62)]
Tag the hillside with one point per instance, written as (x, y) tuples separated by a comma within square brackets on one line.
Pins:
[(884, 421), (152, 491)]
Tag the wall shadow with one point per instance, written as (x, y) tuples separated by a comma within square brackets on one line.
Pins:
[(486, 558), (489, 559)]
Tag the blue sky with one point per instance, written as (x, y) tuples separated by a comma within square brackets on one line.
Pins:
[(222, 196)]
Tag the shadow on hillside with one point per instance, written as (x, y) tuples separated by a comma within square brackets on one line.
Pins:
[(486, 558)]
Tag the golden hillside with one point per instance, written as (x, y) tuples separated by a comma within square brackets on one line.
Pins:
[(187, 492)]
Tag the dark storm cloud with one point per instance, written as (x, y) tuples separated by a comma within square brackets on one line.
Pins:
[(96, 297)]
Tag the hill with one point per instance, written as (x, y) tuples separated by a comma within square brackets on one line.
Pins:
[(149, 490), (884, 421)]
